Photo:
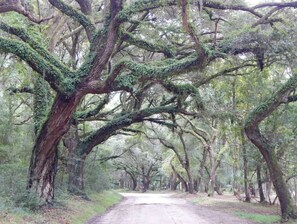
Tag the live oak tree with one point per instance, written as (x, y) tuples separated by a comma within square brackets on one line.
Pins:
[(282, 94), (253, 132)]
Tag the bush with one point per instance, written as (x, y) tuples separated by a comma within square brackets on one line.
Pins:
[(13, 193), (28, 200)]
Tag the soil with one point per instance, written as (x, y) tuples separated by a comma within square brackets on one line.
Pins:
[(230, 204), (171, 208)]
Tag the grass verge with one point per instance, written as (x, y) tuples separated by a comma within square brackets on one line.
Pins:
[(72, 210), (259, 218), (254, 211)]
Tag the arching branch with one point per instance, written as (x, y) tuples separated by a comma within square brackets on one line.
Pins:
[(16, 6), (75, 15), (27, 38), (51, 74)]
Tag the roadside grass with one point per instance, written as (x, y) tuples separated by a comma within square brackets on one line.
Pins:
[(70, 210), (254, 211), (17, 215), (100, 203), (259, 218)]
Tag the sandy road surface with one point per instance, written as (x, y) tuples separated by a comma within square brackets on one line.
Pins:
[(138, 208)]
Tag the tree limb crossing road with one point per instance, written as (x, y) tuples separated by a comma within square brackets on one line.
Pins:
[(139, 208)]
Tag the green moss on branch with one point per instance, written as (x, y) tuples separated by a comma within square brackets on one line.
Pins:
[(267, 107), (120, 122), (51, 74), (155, 71), (168, 51), (26, 37), (42, 100), (79, 17), (89, 113), (160, 70), (141, 6), (182, 89), (185, 90)]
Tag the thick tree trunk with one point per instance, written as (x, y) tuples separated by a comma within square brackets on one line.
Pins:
[(75, 161), (275, 172), (259, 181), (42, 178), (44, 156), (212, 175), (146, 185), (186, 165), (201, 167), (181, 179), (76, 175), (134, 182), (146, 180), (122, 181), (184, 183), (252, 130), (190, 182), (173, 181)]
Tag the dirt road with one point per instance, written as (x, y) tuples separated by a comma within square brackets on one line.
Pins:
[(139, 208)]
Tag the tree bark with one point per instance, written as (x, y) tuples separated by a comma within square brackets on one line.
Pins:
[(182, 180), (134, 182), (275, 172), (44, 156), (201, 167), (259, 181), (245, 168), (133, 178), (190, 182), (212, 176), (173, 181), (186, 165), (75, 161), (145, 180), (76, 175)]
